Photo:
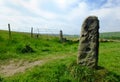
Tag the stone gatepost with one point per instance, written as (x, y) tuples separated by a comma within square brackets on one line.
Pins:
[(89, 43)]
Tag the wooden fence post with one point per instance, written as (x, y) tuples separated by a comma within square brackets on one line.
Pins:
[(61, 36), (32, 32), (37, 36), (9, 31)]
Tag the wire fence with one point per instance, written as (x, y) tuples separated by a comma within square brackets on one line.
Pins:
[(36, 29)]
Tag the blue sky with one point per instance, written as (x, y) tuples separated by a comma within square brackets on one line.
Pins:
[(55, 15)]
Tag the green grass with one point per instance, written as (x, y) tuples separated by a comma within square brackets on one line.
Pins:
[(64, 70), (42, 46), (57, 70), (109, 56)]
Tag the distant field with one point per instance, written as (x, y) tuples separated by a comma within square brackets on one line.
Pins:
[(105, 35), (110, 35), (46, 59)]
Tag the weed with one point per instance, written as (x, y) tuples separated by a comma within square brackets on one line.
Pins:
[(25, 49), (1, 79)]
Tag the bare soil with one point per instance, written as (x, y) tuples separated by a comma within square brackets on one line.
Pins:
[(21, 66)]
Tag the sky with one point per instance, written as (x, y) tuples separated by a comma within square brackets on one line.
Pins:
[(55, 15)]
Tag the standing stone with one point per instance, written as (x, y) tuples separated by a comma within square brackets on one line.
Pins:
[(89, 43)]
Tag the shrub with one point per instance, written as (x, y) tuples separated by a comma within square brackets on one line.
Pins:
[(25, 49)]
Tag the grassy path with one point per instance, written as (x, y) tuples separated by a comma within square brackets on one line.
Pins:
[(21, 66)]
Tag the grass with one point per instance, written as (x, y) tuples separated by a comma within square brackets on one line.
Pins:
[(58, 70), (42, 46), (64, 71), (110, 35), (109, 56)]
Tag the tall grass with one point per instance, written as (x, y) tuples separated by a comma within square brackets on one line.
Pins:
[(64, 71), (58, 70)]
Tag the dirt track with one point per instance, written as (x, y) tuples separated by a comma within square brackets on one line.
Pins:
[(22, 66)]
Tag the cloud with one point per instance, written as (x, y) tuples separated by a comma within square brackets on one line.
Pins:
[(109, 16), (112, 3), (65, 4), (59, 14)]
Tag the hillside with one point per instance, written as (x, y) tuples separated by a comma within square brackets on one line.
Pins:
[(110, 35), (46, 59)]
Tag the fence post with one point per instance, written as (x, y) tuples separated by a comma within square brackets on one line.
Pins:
[(37, 36), (9, 31), (32, 32), (61, 36)]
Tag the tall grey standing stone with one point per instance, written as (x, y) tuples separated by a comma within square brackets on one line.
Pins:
[(89, 43)]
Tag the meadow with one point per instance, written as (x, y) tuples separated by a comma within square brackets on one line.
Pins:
[(110, 35), (55, 60)]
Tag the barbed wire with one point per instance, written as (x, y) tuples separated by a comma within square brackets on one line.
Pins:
[(25, 28)]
